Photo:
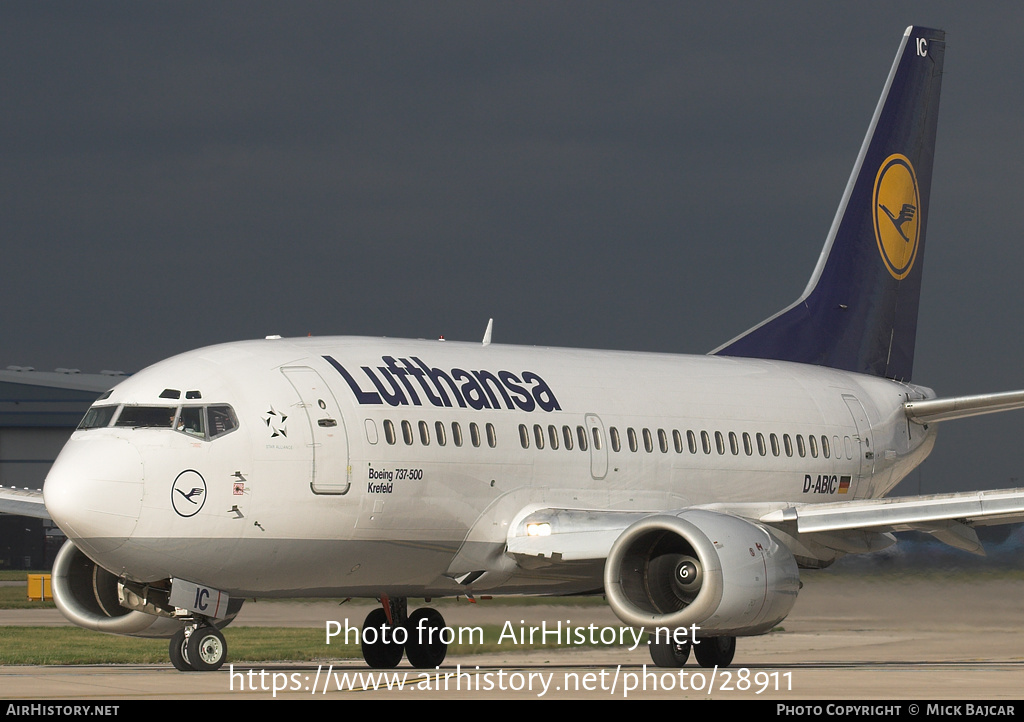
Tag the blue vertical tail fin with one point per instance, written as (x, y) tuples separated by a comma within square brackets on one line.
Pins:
[(859, 310)]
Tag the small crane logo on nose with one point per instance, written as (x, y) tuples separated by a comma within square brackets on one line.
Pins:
[(195, 492), (188, 493)]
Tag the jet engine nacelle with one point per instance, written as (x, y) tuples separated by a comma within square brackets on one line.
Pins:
[(724, 574), (87, 594)]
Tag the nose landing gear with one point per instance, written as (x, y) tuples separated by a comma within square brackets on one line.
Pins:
[(198, 647)]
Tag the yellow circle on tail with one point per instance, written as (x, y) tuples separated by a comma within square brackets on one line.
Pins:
[(897, 209)]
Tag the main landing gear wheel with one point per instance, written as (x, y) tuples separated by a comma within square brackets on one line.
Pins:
[(177, 652), (424, 648), (714, 651), (669, 653), (381, 651), (206, 649)]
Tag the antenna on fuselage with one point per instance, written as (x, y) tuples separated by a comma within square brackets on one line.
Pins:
[(487, 333)]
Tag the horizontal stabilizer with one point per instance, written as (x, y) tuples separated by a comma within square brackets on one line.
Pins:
[(934, 410)]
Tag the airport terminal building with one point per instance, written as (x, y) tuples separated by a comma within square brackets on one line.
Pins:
[(38, 412)]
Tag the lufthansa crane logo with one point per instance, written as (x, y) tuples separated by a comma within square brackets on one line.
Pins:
[(188, 493), (897, 205)]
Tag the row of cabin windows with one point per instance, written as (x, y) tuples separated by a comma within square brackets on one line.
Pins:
[(440, 433), (552, 437), (707, 443), (568, 438), (721, 443)]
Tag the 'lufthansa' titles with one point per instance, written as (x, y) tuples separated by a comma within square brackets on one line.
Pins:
[(404, 382)]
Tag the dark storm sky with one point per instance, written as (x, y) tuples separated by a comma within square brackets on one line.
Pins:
[(654, 176)]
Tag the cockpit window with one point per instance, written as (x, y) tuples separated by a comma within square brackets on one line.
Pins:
[(221, 420), (190, 421), (97, 417), (199, 422), (147, 417)]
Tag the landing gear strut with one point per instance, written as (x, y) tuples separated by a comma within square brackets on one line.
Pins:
[(198, 647), (389, 632)]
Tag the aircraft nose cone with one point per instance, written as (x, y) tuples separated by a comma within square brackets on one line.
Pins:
[(94, 491)]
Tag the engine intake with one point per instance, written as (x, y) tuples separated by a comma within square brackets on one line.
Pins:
[(87, 595), (724, 574)]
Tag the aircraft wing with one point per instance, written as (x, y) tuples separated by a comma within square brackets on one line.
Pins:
[(547, 536), (950, 518), (23, 502)]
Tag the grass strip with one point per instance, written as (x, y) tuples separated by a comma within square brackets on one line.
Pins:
[(71, 645)]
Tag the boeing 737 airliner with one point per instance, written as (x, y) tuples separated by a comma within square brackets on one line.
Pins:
[(689, 490)]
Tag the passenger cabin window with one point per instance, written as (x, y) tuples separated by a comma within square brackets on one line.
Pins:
[(538, 435), (631, 435), (492, 436), (424, 433), (439, 433), (616, 441), (474, 433), (581, 435), (524, 436), (456, 433), (389, 431), (407, 433)]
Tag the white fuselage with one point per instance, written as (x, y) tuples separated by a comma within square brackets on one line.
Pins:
[(345, 473)]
